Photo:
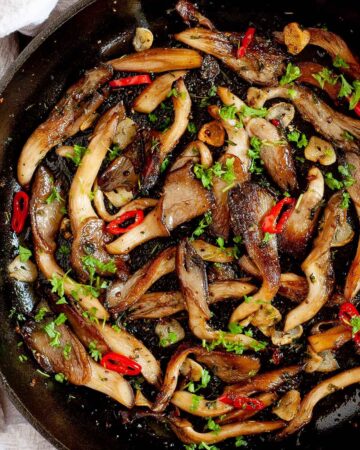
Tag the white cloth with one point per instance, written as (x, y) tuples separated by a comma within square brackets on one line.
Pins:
[(28, 17)]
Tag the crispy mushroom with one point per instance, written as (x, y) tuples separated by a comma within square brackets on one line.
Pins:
[(186, 433), (143, 39), (275, 153), (25, 271), (78, 104), (248, 205), (78, 368), (332, 44), (318, 267), (169, 332), (206, 408), (323, 389), (121, 295), (282, 112), (352, 284), (331, 124), (213, 253), (295, 38), (108, 339), (197, 152), (189, 13), (191, 271), (151, 97), (300, 227), (156, 305), (158, 60), (320, 151), (288, 406), (46, 218), (183, 199), (261, 64), (264, 382), (331, 339), (212, 133)]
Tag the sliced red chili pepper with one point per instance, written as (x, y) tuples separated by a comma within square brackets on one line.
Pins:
[(130, 81), (357, 109), (275, 122), (249, 36), (347, 312), (20, 211), (240, 402), (121, 364), (273, 222), (114, 226)]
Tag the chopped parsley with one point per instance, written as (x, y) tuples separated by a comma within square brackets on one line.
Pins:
[(60, 377), (340, 63), (267, 237), (23, 358), (113, 152), (192, 128), (235, 328), (66, 351), (230, 346), (54, 196), (213, 426), (355, 323), (345, 171), (346, 88), (201, 446), (152, 117), (92, 264), (205, 380), (355, 98), (205, 101), (292, 73), (195, 402), (254, 155), (247, 111), (170, 339), (325, 75), (64, 250), (240, 442), (52, 332), (298, 138), (203, 224), (164, 165), (39, 316), (24, 253), (345, 202), (228, 112), (90, 314), (57, 283), (94, 351), (292, 93), (77, 154), (348, 136)]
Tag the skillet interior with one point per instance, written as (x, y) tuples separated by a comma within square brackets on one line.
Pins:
[(70, 417)]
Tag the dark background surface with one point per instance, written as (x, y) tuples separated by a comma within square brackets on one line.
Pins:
[(71, 417)]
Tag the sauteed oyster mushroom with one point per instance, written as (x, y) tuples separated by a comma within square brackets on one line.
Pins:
[(189, 227)]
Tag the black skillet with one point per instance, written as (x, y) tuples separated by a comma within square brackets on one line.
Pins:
[(69, 417)]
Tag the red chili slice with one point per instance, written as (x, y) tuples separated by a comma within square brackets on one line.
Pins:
[(20, 211), (130, 81), (240, 402), (114, 226), (120, 364), (249, 36), (347, 312), (273, 222), (275, 122)]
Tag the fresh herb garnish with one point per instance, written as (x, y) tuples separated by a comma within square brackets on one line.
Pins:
[(340, 63), (67, 351), (203, 224), (240, 442), (195, 402), (164, 165), (345, 171), (346, 88), (170, 339), (54, 196), (39, 316), (254, 155), (94, 351), (213, 426), (345, 202), (355, 98), (24, 253), (298, 138), (205, 380), (113, 152), (60, 377), (192, 128), (325, 75), (77, 154), (92, 264), (292, 73)]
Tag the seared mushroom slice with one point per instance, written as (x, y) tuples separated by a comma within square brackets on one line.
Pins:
[(228, 367), (191, 271), (121, 295), (352, 284), (331, 339), (332, 44), (206, 408), (300, 227), (189, 13), (108, 339), (45, 223), (78, 368), (158, 60), (186, 433), (88, 230), (275, 153), (288, 406), (318, 267), (308, 69), (183, 199), (163, 143), (78, 104), (248, 204), (151, 97), (264, 382), (262, 64), (197, 152), (156, 305), (295, 38), (331, 124), (323, 389)]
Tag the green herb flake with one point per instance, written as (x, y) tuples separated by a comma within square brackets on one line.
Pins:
[(355, 323), (325, 75), (77, 154), (235, 328), (195, 402), (192, 128), (213, 426), (204, 381), (54, 196), (39, 316), (346, 88), (23, 358), (152, 117), (355, 98), (164, 165), (240, 442), (170, 339), (66, 351), (345, 201), (292, 73), (60, 377), (94, 351), (24, 253), (340, 63), (203, 224)]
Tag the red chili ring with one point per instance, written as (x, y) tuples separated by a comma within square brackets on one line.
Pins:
[(20, 211), (114, 226), (120, 364)]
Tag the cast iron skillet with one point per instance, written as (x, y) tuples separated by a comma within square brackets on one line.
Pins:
[(75, 418)]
